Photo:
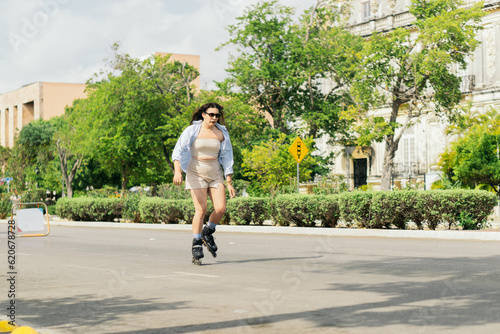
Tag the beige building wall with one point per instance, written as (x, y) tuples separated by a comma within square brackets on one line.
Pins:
[(39, 100), (56, 96)]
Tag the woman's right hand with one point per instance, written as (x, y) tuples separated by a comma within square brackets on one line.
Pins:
[(177, 178)]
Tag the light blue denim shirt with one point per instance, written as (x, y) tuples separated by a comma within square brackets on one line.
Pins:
[(182, 149)]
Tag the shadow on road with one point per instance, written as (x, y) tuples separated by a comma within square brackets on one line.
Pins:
[(445, 298)]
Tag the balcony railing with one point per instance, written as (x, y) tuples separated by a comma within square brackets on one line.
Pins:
[(403, 19), (405, 169)]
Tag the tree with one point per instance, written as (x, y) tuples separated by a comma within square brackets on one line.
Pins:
[(412, 73), (283, 64), (265, 68), (70, 144), (328, 55), (131, 112), (30, 159), (473, 159), (270, 164)]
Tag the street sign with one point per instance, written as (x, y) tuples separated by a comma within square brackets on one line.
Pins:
[(298, 150)]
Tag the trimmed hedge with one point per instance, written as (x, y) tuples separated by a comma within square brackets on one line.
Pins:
[(375, 209), (156, 210), (90, 209), (302, 210), (246, 210)]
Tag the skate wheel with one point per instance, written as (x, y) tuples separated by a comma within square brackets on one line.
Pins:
[(196, 261), (214, 255)]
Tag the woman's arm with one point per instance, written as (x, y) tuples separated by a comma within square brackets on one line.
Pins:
[(177, 173), (230, 187)]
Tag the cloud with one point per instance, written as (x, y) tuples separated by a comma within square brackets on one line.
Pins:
[(68, 40)]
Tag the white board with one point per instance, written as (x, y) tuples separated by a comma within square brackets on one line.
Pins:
[(30, 220)]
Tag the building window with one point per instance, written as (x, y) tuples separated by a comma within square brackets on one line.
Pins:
[(365, 10), (409, 150)]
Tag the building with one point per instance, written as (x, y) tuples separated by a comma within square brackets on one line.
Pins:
[(44, 100), (421, 144), (39, 100)]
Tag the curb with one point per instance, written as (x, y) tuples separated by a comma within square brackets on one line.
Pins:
[(484, 235)]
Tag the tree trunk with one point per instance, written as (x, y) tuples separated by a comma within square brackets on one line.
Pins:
[(391, 146), (71, 177), (125, 178), (390, 152), (68, 179)]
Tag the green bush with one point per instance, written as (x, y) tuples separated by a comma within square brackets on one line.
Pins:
[(388, 208), (468, 208), (105, 192), (328, 210), (158, 210), (32, 196), (131, 207), (246, 210), (355, 208), (5, 206), (302, 210), (171, 191), (90, 209)]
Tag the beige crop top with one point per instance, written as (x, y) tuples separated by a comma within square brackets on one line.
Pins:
[(205, 148)]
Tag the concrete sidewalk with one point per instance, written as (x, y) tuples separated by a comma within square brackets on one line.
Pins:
[(491, 234)]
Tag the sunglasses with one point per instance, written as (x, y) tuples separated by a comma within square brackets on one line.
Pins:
[(212, 115)]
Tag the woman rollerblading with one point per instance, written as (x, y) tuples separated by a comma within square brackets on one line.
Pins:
[(201, 150)]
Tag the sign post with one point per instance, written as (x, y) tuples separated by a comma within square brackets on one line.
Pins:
[(298, 150)]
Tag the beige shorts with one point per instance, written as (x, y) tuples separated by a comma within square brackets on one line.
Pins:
[(203, 174)]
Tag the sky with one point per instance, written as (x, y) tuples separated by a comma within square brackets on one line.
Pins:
[(69, 40)]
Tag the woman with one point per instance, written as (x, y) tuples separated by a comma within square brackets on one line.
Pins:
[(200, 151)]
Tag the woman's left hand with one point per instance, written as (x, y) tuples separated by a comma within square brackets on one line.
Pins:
[(232, 191)]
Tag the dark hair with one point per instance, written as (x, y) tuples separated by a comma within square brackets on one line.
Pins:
[(197, 114)]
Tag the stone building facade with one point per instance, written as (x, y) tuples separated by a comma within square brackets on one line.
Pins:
[(421, 144)]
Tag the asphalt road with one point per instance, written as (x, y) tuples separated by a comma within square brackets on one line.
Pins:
[(100, 280)]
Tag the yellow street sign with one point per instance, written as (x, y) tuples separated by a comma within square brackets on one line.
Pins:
[(298, 150)]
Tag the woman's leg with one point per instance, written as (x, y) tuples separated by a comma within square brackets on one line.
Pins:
[(200, 208), (218, 197)]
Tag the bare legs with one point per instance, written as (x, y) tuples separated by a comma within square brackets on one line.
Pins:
[(218, 197)]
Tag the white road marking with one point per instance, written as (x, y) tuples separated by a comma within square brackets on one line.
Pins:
[(192, 274)]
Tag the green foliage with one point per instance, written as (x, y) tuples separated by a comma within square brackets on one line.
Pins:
[(131, 211), (298, 209), (158, 210), (5, 206), (328, 210), (270, 165), (90, 209), (104, 192), (473, 159), (354, 208), (171, 191), (387, 209), (30, 161), (133, 114), (248, 210), (32, 196), (282, 62)]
